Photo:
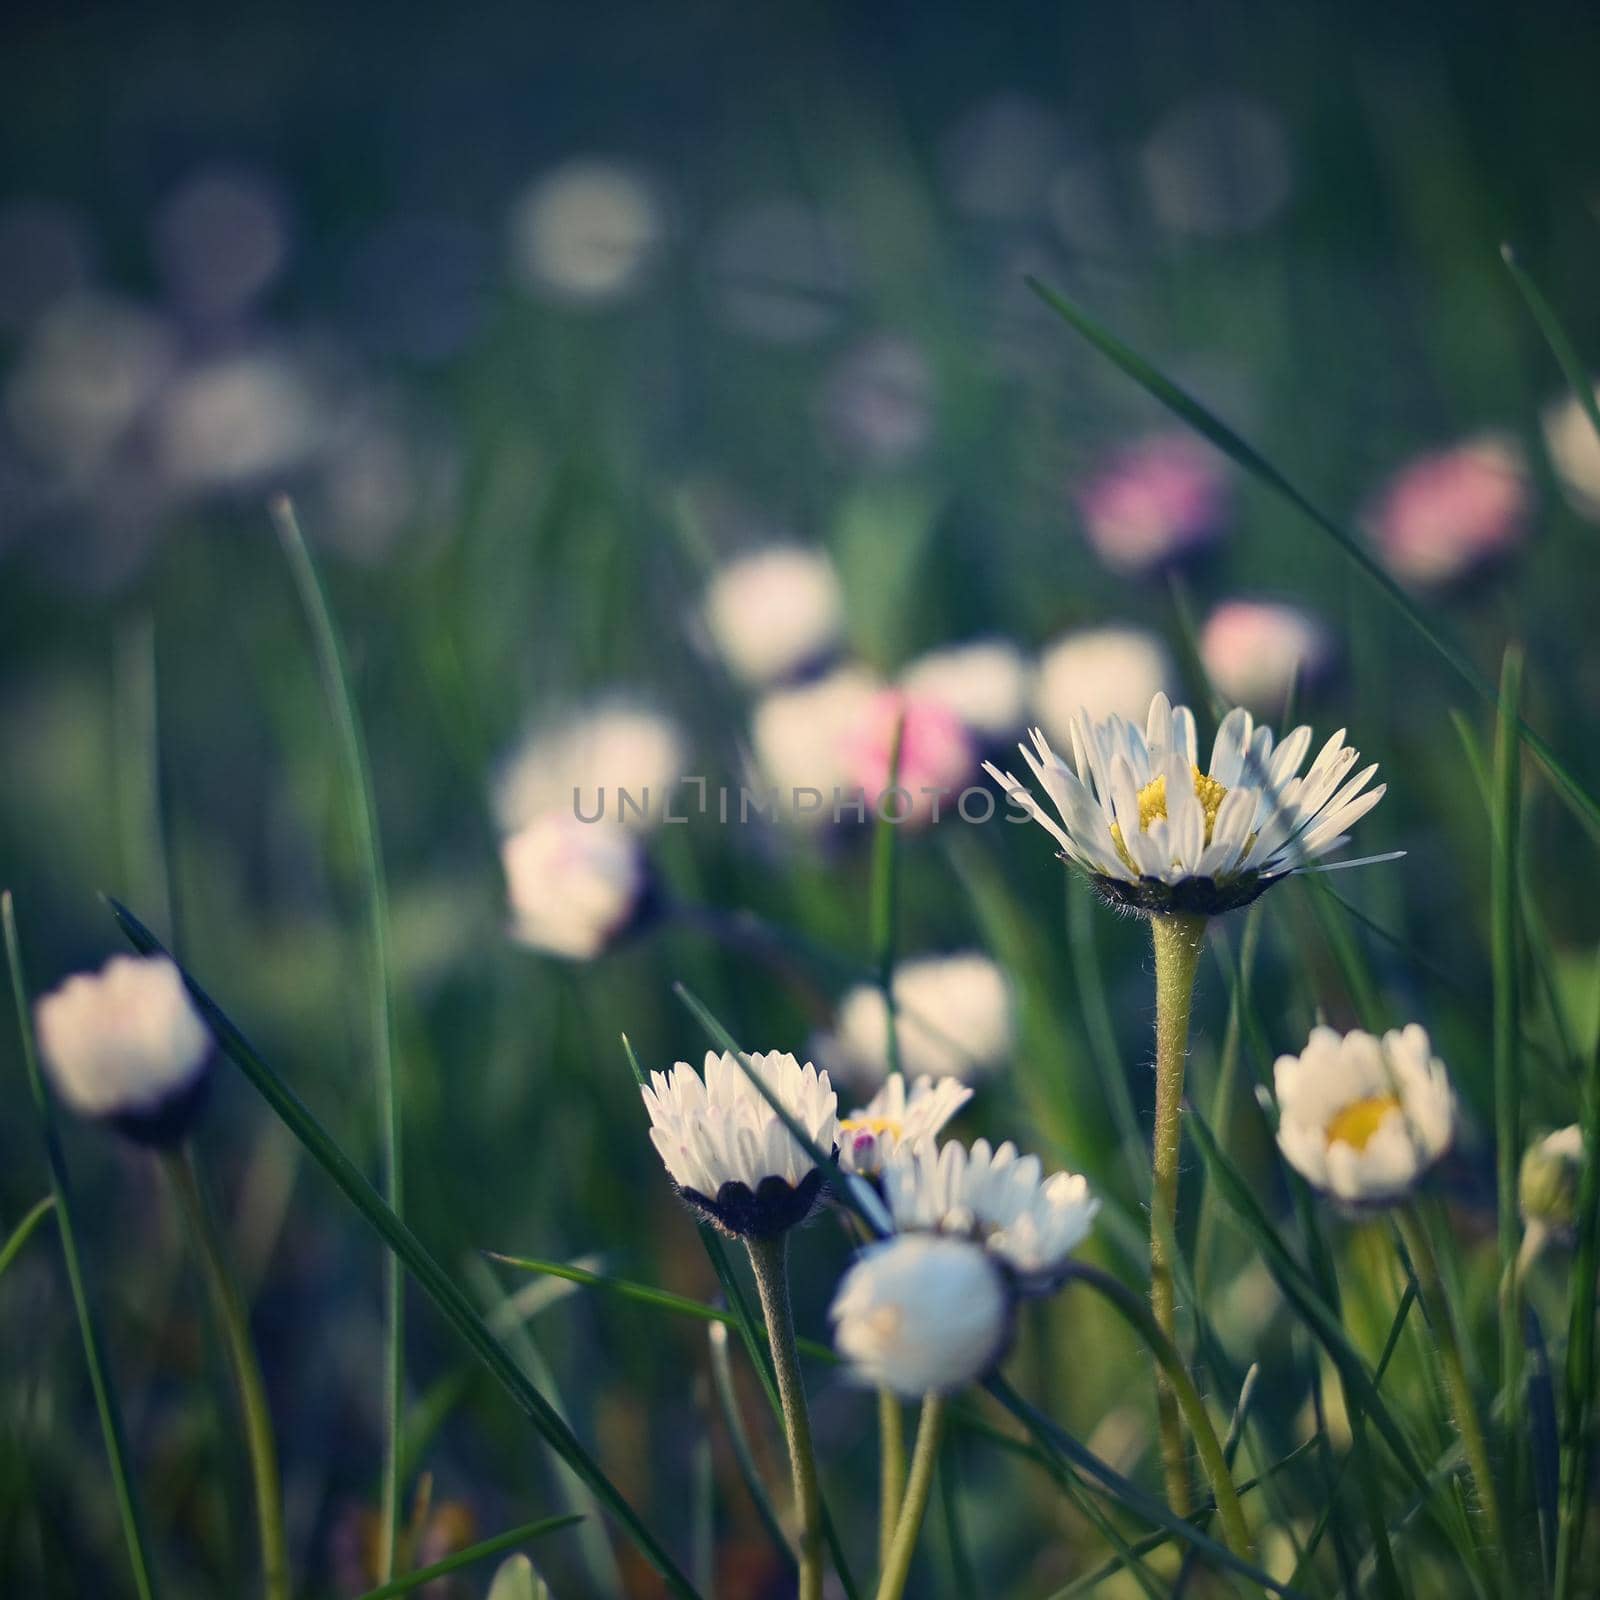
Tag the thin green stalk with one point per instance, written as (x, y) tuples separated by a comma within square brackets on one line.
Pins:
[(891, 1468), (924, 1464), (885, 895), (1436, 1303), (769, 1262), (1507, 1087), (234, 1320), (1178, 941), (23, 1231), (363, 810), (744, 1457), (100, 1378)]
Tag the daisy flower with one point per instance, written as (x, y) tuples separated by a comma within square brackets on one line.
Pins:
[(897, 1115), (775, 612), (729, 1152), (1100, 671), (921, 1314), (985, 682), (1155, 502), (1363, 1118), (1255, 651), (126, 1044), (1029, 1223), (1547, 1182), (573, 887), (1157, 834)]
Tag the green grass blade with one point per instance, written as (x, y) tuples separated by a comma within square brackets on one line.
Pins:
[(1189, 410), (430, 1277), (100, 1376), (24, 1231), (1561, 347), (361, 805), (885, 897), (482, 1551), (744, 1457)]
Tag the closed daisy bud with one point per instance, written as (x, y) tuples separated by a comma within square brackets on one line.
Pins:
[(1363, 1118), (126, 1044), (1029, 1223), (773, 613), (896, 1115), (729, 1152), (573, 887), (1547, 1184), (1158, 834), (921, 1315)]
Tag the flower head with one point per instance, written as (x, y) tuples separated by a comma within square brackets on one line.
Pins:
[(1027, 1222), (895, 1115), (1255, 651), (921, 1314), (1363, 1118), (984, 682), (775, 612), (936, 756), (729, 1152), (801, 738), (1154, 502), (1100, 671), (573, 887), (1547, 1183), (127, 1044), (1159, 835)]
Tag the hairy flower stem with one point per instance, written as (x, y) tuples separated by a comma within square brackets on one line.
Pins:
[(924, 1462), (235, 1324), (1178, 941), (769, 1262), (891, 1469), (1436, 1303)]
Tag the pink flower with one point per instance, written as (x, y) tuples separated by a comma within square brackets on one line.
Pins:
[(936, 753), (1154, 502), (1448, 513), (1253, 650)]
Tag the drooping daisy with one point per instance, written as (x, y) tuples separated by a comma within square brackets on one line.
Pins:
[(1028, 1222), (1158, 834), (1363, 1118), (920, 1314), (573, 887), (126, 1044), (895, 1115), (729, 1152), (774, 612), (1547, 1182)]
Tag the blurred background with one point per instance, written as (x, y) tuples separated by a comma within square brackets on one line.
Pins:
[(551, 320)]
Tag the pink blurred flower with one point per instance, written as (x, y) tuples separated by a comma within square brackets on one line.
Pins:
[(936, 753), (1154, 502), (1253, 650), (1448, 513)]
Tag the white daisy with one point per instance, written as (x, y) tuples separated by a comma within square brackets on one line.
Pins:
[(127, 1044), (1547, 1183), (774, 612), (572, 887), (985, 682), (1028, 1222), (729, 1152), (801, 740), (1363, 1118), (1159, 835), (896, 1115), (921, 1315)]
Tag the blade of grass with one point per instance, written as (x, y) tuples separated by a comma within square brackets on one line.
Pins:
[(473, 1554), (744, 1457), (1561, 347), (883, 911), (429, 1276), (361, 805), (1542, 1435), (101, 1380), (24, 1231), (1189, 410)]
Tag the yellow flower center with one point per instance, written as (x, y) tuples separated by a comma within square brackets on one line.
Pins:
[(873, 1125), (1356, 1123), (1153, 805)]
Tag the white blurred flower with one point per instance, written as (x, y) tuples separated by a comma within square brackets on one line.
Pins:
[(869, 1135), (587, 231), (921, 1315), (876, 405), (953, 1019), (127, 1044), (1548, 1182), (1029, 1223), (985, 682), (588, 762), (1154, 502), (1157, 834), (1101, 671), (1216, 165), (729, 1152), (801, 736), (1363, 1118), (774, 612), (1574, 450), (572, 887), (1255, 650)]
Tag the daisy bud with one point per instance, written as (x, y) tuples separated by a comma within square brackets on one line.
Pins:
[(730, 1154), (1547, 1184), (127, 1045), (921, 1314), (896, 1115), (1363, 1118), (573, 887), (775, 612)]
